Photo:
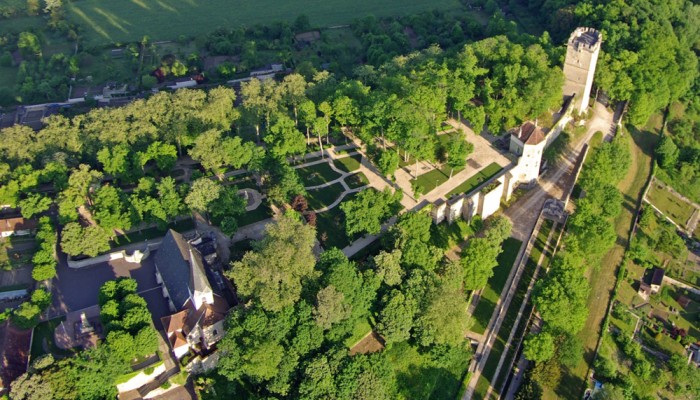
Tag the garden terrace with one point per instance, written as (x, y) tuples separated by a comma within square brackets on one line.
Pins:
[(432, 179), (472, 183)]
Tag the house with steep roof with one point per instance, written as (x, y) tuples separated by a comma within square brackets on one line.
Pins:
[(199, 311), (528, 143)]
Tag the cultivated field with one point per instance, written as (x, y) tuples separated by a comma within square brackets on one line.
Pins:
[(123, 21)]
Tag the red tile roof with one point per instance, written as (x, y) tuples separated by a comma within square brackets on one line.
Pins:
[(16, 224), (530, 133)]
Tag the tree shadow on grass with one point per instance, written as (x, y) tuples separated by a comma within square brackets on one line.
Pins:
[(427, 382), (571, 386)]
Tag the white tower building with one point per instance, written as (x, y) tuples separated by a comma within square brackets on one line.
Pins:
[(579, 67)]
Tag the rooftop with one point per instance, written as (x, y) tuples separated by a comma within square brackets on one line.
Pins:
[(585, 37), (181, 267), (529, 133), (16, 224)]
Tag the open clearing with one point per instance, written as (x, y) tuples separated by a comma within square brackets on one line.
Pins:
[(108, 22)]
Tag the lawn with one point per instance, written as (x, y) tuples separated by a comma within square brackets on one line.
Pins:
[(482, 176), (107, 22), (10, 258), (330, 226), (673, 207), (357, 180), (431, 180), (150, 233), (262, 212), (419, 378), (323, 197), (44, 333), (317, 174), (602, 278), (492, 291), (348, 164), (361, 329)]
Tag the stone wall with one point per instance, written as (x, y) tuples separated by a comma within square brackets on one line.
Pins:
[(134, 257)]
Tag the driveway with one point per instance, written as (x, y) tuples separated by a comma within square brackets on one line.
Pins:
[(75, 289)]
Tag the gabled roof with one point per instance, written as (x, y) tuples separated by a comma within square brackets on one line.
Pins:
[(658, 276), (529, 133), (181, 267), (176, 322)]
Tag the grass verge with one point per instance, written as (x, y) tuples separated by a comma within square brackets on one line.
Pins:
[(482, 176), (492, 291)]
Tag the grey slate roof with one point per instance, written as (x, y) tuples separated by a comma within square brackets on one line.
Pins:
[(181, 267)]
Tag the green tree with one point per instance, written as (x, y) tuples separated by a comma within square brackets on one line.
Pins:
[(457, 152), (216, 152), (34, 204), (539, 347), (396, 318), (29, 44), (284, 138), (202, 193), (90, 241), (388, 267), (667, 153), (366, 212), (111, 209), (273, 273), (388, 162), (331, 307)]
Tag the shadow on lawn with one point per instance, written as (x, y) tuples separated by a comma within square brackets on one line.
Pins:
[(429, 383)]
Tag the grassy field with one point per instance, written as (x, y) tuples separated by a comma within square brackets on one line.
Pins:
[(317, 174), (262, 212), (325, 196), (669, 204), (357, 180), (482, 176), (361, 330), (348, 164), (602, 278), (492, 291), (108, 22), (431, 180), (419, 378)]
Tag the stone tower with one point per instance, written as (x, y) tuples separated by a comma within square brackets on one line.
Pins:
[(579, 67)]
